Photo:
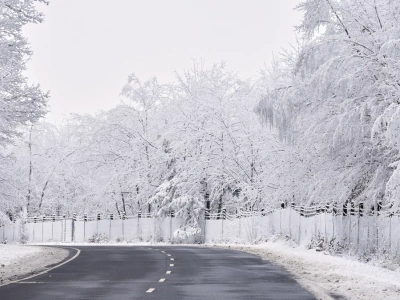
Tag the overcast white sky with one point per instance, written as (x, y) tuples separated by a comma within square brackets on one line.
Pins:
[(85, 49)]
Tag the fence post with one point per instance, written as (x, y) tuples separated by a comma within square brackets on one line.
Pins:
[(280, 216), (359, 215), (398, 224), (222, 222), (139, 233), (97, 223), (73, 227), (326, 215), (13, 229), (317, 218), (34, 222), (290, 218), (65, 227), (368, 234), (52, 227), (333, 221), (376, 226), (390, 231), (62, 230), (301, 215), (205, 224), (123, 225), (109, 228), (84, 226), (349, 215), (42, 229), (240, 222), (170, 226), (154, 229)]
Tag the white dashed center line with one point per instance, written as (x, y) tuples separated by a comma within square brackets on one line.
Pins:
[(162, 279)]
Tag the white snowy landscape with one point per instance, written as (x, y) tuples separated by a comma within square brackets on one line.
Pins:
[(298, 163)]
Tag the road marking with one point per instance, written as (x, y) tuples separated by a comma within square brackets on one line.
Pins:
[(171, 265), (168, 272), (162, 280), (150, 290), (172, 259), (168, 254), (163, 251)]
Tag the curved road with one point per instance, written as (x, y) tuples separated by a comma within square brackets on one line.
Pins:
[(118, 272)]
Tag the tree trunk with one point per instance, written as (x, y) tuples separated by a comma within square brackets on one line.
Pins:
[(28, 196)]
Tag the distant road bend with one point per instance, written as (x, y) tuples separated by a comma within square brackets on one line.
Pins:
[(118, 272)]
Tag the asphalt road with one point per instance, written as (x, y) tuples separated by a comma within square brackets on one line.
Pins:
[(117, 272)]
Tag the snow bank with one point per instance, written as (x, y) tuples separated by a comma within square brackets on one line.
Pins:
[(329, 277), (17, 261)]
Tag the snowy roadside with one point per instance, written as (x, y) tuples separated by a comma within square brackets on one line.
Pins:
[(329, 277), (17, 260)]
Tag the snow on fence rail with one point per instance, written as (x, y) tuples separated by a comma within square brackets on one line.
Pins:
[(140, 227), (338, 227), (376, 230), (367, 231)]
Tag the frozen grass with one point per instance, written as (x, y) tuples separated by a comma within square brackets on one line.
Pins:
[(10, 254), (18, 260)]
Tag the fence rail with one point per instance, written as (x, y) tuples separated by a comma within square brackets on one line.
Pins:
[(366, 230), (140, 227)]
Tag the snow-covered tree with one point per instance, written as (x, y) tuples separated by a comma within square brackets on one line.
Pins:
[(339, 100), (20, 103)]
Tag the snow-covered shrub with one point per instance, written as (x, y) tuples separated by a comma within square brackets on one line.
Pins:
[(252, 229), (186, 234), (24, 237), (159, 237), (99, 238)]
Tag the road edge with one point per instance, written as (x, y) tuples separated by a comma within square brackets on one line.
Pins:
[(312, 287), (48, 268)]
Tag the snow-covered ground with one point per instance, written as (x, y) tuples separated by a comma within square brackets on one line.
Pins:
[(18, 260), (330, 277)]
